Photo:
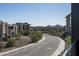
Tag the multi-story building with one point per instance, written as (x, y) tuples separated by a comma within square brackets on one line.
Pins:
[(21, 27), (12, 30), (3, 29), (7, 29), (68, 23)]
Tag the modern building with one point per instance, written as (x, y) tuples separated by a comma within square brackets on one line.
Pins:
[(3, 29), (68, 23), (7, 29), (12, 30), (21, 27)]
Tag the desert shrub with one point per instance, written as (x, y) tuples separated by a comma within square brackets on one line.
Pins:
[(8, 36), (4, 38), (18, 34), (2, 45), (11, 43), (26, 33), (36, 36), (68, 40), (56, 32)]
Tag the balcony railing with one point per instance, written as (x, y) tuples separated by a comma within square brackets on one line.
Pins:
[(70, 51)]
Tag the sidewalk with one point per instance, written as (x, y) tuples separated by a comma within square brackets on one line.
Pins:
[(60, 49)]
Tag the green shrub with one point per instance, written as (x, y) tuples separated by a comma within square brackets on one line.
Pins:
[(68, 40), (2, 45), (11, 43), (8, 36), (36, 36), (26, 33), (18, 34), (4, 38), (56, 32)]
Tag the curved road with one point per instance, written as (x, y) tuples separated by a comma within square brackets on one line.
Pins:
[(44, 48)]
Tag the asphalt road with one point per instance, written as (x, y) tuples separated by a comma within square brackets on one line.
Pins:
[(44, 48)]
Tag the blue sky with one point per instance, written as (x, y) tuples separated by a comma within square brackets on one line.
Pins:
[(35, 14)]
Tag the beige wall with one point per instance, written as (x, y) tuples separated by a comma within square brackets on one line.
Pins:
[(3, 28), (5, 31), (13, 30)]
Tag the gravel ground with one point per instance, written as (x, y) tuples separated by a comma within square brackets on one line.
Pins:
[(24, 40)]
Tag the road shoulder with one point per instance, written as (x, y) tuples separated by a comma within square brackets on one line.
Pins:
[(60, 49)]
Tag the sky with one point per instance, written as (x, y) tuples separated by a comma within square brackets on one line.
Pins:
[(36, 14)]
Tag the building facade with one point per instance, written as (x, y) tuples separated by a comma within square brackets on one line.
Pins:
[(3, 29), (7, 29), (12, 30), (68, 23), (21, 27)]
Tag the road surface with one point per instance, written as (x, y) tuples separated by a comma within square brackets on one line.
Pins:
[(44, 48)]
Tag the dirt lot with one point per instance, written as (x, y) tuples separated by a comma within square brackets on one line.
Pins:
[(22, 41)]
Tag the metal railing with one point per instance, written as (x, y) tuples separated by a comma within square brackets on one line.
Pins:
[(70, 51)]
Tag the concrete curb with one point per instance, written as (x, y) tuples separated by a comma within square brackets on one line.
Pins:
[(6, 52), (60, 49), (43, 38)]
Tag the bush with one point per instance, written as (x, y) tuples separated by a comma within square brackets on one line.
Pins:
[(56, 32), (68, 40), (18, 34), (8, 36), (2, 45), (36, 36), (26, 33), (4, 38), (11, 43)]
